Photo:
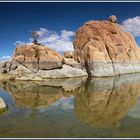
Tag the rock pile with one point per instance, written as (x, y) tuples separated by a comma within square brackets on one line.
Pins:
[(36, 62)]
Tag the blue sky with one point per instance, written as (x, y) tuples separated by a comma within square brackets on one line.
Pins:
[(61, 20)]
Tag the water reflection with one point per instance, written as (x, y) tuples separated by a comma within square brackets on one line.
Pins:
[(105, 102), (98, 102), (41, 94)]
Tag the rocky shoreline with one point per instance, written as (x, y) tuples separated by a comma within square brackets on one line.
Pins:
[(101, 49)]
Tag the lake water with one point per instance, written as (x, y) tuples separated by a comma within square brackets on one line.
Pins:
[(97, 107)]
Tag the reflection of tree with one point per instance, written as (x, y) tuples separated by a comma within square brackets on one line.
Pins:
[(104, 105)]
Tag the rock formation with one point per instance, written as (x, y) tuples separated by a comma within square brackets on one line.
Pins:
[(2, 105), (101, 48), (69, 59), (106, 49), (35, 57), (36, 62)]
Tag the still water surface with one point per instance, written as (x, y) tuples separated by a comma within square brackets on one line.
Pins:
[(97, 107)]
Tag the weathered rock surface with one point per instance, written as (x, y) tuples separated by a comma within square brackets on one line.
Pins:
[(22, 73), (106, 49), (36, 57), (68, 54), (2, 105), (65, 72), (4, 66), (70, 62)]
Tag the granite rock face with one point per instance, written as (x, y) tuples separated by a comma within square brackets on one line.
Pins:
[(36, 57), (106, 49), (68, 54), (24, 74)]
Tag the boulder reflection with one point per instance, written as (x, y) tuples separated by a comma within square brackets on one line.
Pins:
[(98, 102), (40, 94), (104, 102)]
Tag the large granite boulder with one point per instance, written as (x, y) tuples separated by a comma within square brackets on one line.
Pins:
[(106, 49)]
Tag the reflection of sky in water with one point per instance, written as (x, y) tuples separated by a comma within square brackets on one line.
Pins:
[(135, 112), (64, 104), (7, 98)]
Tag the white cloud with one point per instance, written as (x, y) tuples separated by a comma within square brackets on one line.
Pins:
[(59, 42), (132, 25), (49, 39), (61, 45), (42, 31), (5, 58), (66, 35), (19, 43)]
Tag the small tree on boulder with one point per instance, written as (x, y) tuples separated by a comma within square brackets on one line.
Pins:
[(35, 37)]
